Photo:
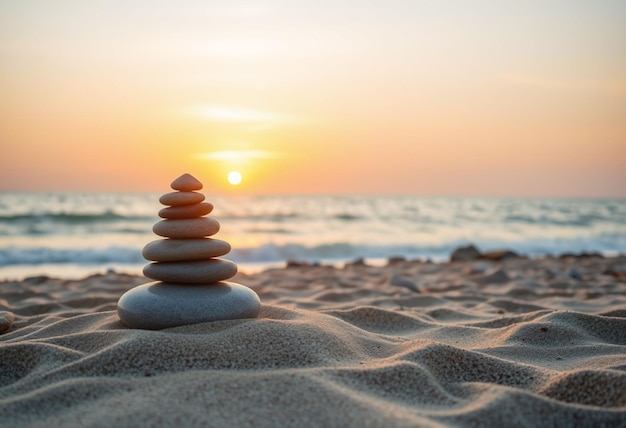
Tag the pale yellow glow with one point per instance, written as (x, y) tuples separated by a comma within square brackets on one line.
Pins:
[(234, 177), (236, 155)]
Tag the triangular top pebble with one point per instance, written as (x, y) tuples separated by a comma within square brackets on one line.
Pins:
[(186, 183)]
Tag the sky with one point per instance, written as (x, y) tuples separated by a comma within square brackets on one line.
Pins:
[(484, 98)]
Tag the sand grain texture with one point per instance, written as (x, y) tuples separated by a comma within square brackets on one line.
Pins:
[(514, 343)]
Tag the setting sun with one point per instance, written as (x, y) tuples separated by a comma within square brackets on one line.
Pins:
[(234, 178)]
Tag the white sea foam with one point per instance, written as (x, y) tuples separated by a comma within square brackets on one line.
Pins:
[(103, 230)]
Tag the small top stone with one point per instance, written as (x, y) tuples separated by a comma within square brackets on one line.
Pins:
[(186, 183)]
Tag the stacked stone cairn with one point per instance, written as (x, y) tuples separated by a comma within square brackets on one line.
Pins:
[(190, 279)]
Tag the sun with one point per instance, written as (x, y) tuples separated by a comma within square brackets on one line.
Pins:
[(234, 177)]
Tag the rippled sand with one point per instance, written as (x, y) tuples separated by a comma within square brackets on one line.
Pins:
[(511, 343)]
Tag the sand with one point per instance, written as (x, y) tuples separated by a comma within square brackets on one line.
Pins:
[(518, 342)]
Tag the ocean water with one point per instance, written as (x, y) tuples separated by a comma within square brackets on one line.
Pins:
[(74, 234)]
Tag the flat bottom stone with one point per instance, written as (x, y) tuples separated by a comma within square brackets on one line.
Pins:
[(158, 305)]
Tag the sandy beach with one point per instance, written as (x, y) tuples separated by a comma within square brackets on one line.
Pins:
[(515, 342), (312, 214)]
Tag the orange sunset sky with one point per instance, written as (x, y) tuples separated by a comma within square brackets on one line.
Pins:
[(509, 98)]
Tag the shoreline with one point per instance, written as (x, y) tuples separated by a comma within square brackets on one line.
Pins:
[(77, 272)]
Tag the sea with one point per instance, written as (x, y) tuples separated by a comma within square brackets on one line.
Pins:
[(72, 235)]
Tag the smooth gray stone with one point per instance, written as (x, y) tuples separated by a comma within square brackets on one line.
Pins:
[(176, 199), (186, 183), (157, 305), (180, 250), (186, 211), (465, 254), (187, 228), (6, 321), (198, 272)]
